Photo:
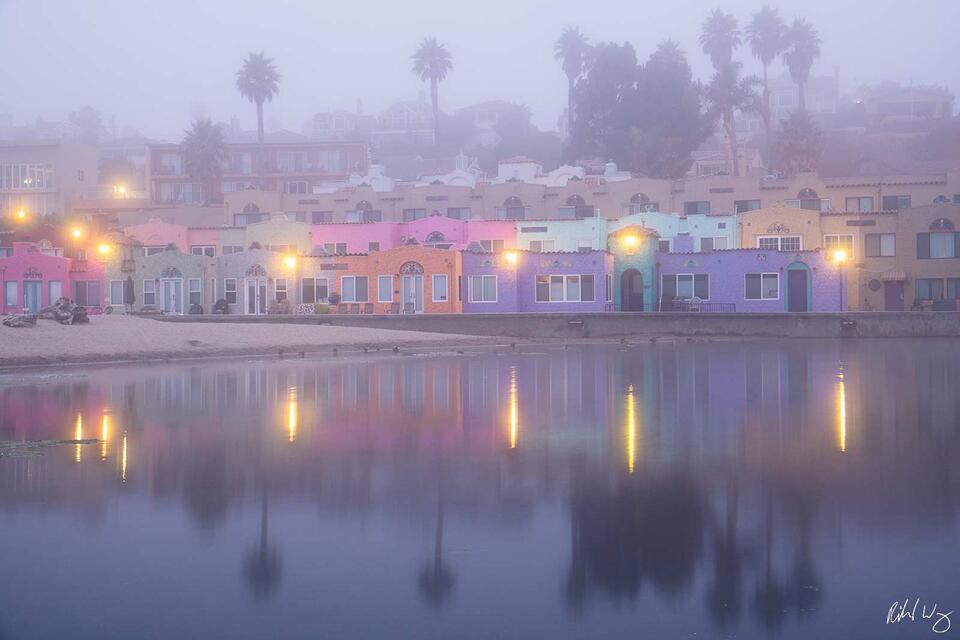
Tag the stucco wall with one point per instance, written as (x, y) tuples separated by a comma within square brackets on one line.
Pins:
[(29, 265)]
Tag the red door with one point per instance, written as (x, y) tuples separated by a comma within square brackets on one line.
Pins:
[(893, 296)]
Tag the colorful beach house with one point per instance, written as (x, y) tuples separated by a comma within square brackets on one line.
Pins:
[(751, 280), (436, 231), (529, 281), (34, 276), (634, 250)]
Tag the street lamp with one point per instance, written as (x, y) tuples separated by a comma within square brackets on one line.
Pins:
[(511, 257), (103, 249), (21, 214), (840, 256), (76, 232), (290, 261)]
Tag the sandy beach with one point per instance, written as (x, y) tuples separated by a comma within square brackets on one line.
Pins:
[(126, 338)]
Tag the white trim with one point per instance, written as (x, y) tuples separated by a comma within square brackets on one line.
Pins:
[(109, 291), (565, 276), (761, 274), (433, 287), (379, 299), (354, 278), (143, 291), (853, 242), (693, 283), (236, 291), (780, 241), (496, 288)]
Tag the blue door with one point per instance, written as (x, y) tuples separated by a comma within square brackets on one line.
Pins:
[(31, 296)]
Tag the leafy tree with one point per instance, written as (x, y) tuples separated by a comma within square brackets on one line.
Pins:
[(204, 151), (798, 145), (432, 62), (118, 170), (803, 47), (571, 50), (719, 36), (766, 35), (258, 81), (90, 123), (730, 91)]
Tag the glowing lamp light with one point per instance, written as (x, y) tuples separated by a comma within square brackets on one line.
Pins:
[(511, 257), (839, 255), (21, 215), (290, 261), (76, 233), (631, 241), (104, 249), (120, 190)]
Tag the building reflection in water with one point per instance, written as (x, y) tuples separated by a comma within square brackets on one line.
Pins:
[(730, 505)]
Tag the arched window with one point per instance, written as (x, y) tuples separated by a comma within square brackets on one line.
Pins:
[(941, 224), (809, 199), (411, 267), (577, 207), (251, 208), (639, 198), (513, 209), (807, 194), (576, 201), (363, 205), (640, 203), (941, 200), (434, 237)]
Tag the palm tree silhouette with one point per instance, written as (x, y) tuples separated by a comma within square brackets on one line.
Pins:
[(723, 596), (263, 567), (258, 81), (204, 150), (766, 36), (571, 50), (432, 62), (770, 598), (436, 578), (803, 47)]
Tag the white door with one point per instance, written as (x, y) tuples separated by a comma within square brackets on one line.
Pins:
[(412, 291), (256, 296), (56, 291), (171, 291)]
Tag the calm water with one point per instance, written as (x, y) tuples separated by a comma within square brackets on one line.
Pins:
[(748, 490)]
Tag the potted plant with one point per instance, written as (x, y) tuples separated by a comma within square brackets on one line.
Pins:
[(333, 297)]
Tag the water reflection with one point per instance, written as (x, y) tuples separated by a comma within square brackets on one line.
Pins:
[(738, 489)]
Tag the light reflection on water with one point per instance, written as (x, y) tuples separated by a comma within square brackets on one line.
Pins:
[(716, 489)]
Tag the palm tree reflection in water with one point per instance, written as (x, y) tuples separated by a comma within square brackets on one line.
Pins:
[(436, 578), (263, 567)]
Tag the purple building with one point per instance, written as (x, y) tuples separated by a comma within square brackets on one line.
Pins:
[(525, 281), (753, 280)]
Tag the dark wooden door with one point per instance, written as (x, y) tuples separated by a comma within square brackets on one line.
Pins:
[(797, 290), (631, 290), (893, 296)]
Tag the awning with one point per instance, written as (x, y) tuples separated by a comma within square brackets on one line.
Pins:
[(894, 276)]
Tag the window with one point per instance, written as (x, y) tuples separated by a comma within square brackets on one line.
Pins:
[(779, 243), (280, 289), (228, 249), (56, 291), (149, 293), (373, 246), (86, 293), (336, 248), (696, 207), (313, 290), (203, 250), (542, 246), (243, 219), (193, 291), (929, 288), (321, 217), (860, 203), (296, 187), (483, 288), (354, 289), (384, 288), (116, 292), (513, 209), (711, 244), (458, 213), (409, 215), (953, 289), (685, 286), (842, 242), (230, 290), (152, 251), (739, 206), (10, 294), (584, 246), (762, 286), (491, 245), (895, 203), (663, 246), (880, 245), (938, 244), (609, 287), (440, 293), (572, 288)]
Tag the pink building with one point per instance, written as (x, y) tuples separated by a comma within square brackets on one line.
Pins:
[(34, 276), (155, 235), (436, 230)]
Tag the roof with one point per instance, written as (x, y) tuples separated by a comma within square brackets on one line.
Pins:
[(518, 160)]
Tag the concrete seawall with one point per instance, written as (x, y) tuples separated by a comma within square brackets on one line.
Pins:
[(619, 325)]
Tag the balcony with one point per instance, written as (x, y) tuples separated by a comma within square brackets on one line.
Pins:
[(78, 266), (512, 213)]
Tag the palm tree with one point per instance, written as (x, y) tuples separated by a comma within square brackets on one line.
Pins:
[(571, 50), (727, 92), (204, 150), (432, 62), (258, 81), (803, 47), (719, 37), (263, 567), (798, 145), (765, 34)]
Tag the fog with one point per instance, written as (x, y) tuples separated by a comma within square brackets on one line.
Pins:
[(152, 65)]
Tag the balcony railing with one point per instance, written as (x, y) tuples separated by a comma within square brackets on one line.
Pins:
[(696, 306)]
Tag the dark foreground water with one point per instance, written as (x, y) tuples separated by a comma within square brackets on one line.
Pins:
[(708, 490)]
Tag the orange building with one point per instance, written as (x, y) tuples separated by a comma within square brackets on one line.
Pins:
[(407, 279)]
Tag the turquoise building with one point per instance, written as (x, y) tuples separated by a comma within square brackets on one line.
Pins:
[(634, 250)]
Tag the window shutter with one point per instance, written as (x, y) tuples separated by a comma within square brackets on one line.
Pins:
[(923, 245)]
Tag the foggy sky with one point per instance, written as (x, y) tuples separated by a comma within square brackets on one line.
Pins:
[(153, 64)]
